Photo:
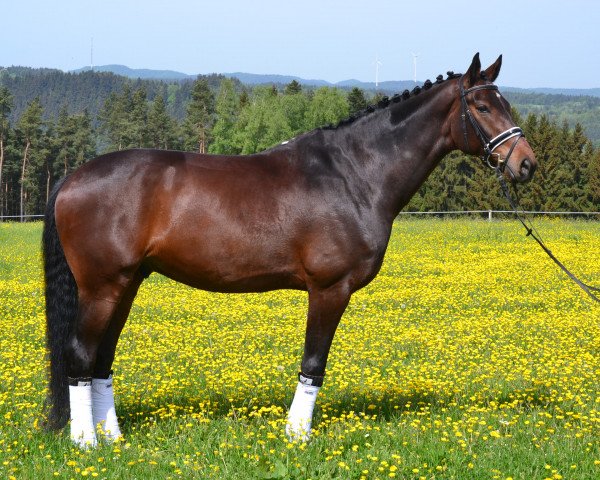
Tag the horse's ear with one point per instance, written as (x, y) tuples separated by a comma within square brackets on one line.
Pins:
[(493, 70), (473, 72)]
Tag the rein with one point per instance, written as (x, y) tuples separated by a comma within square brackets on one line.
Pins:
[(533, 233), (489, 145)]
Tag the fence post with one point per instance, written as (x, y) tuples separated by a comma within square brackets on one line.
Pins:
[(489, 215)]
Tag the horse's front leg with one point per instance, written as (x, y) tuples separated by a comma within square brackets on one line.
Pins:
[(325, 309)]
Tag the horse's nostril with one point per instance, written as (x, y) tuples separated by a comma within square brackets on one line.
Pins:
[(526, 169)]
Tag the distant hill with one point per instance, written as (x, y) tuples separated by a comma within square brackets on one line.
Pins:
[(259, 79), (388, 87), (573, 92), (143, 73)]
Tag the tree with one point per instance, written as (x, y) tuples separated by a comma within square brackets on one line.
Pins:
[(293, 88), (84, 141), (262, 123), (74, 140), (328, 107), (378, 97), (295, 107), (6, 104), (226, 112), (533, 197), (30, 130), (244, 98), (581, 154), (199, 117), (63, 136), (138, 119), (542, 136), (594, 181), (161, 128), (356, 100), (114, 118)]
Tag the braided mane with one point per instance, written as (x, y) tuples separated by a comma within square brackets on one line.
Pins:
[(387, 101)]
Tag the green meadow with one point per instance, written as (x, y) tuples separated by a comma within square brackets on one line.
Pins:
[(470, 356)]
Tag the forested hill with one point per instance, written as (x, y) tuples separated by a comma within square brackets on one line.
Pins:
[(135, 73), (89, 90), (573, 109)]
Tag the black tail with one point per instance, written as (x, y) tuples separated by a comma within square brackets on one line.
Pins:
[(61, 313)]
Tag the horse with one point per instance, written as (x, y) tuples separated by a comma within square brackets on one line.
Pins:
[(313, 213)]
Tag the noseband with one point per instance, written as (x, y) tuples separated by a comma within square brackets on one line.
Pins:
[(488, 144)]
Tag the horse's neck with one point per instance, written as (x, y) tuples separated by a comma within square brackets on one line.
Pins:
[(399, 146)]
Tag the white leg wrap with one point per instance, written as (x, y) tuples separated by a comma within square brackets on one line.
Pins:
[(301, 412), (83, 432), (103, 407)]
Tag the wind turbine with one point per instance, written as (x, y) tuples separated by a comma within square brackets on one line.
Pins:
[(377, 65), (415, 55)]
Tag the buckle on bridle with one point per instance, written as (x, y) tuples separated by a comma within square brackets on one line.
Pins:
[(500, 162)]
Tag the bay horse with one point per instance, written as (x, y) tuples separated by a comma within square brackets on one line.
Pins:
[(314, 213)]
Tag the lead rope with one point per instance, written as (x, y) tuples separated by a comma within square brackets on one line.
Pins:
[(533, 233)]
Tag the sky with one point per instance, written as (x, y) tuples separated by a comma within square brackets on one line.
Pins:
[(544, 43)]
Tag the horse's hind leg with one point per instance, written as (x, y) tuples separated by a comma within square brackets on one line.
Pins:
[(325, 309), (97, 306), (103, 399)]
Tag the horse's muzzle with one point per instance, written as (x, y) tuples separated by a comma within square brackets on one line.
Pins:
[(526, 169)]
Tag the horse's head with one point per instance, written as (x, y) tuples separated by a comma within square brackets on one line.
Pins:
[(483, 124)]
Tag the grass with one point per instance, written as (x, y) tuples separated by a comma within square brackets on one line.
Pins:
[(470, 356)]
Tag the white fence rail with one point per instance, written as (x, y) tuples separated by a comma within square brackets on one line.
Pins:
[(20, 217), (490, 213)]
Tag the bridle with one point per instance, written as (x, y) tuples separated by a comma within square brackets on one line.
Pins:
[(488, 144)]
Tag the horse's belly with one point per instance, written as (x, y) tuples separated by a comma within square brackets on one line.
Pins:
[(228, 264)]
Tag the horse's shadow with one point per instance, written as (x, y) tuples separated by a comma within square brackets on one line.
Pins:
[(385, 406), (134, 414)]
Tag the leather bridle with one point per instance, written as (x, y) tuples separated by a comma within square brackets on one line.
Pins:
[(488, 144)]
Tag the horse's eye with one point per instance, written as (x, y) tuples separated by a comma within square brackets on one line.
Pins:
[(482, 109)]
